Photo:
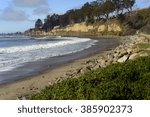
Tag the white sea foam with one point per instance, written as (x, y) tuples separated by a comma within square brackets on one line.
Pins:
[(48, 37), (13, 36), (43, 46), (11, 57)]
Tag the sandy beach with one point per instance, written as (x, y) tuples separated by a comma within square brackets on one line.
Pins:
[(35, 81)]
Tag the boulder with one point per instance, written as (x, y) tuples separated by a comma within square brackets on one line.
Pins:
[(115, 56), (84, 70), (99, 59), (122, 53), (103, 63), (110, 57), (133, 56), (92, 62), (123, 59), (96, 67), (129, 50)]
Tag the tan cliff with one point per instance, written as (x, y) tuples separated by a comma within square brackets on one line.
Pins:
[(107, 28)]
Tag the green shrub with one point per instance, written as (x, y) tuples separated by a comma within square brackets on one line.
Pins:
[(129, 80)]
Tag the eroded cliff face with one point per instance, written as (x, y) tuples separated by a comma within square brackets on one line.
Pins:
[(78, 27), (107, 28)]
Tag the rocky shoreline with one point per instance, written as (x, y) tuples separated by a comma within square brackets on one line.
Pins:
[(127, 50)]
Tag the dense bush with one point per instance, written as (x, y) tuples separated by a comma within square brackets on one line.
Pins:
[(137, 20), (129, 80)]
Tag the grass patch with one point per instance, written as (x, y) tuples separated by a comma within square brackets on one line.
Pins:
[(144, 46), (129, 80)]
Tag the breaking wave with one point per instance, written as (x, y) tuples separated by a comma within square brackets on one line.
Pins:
[(36, 48)]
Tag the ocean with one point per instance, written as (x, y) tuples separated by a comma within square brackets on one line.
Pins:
[(15, 51)]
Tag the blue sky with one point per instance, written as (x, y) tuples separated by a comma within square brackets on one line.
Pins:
[(19, 15)]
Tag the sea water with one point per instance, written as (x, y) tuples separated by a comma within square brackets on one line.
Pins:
[(15, 51)]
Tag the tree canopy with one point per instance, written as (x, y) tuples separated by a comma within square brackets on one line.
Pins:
[(38, 24), (90, 12)]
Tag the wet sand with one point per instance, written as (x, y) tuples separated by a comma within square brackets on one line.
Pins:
[(32, 77)]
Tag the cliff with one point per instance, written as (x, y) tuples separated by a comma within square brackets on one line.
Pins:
[(112, 27)]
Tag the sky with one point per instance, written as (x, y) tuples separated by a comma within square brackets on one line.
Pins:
[(20, 15)]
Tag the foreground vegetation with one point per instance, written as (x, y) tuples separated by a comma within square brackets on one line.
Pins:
[(129, 80)]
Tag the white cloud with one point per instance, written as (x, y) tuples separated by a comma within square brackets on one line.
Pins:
[(41, 11), (30, 3), (12, 14)]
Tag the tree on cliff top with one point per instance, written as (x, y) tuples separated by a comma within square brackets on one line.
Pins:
[(128, 4), (38, 24)]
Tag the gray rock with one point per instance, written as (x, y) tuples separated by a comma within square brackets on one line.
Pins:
[(115, 55), (122, 53), (110, 57), (133, 56), (96, 67), (99, 59), (103, 63), (84, 70), (92, 62), (123, 59), (129, 50), (50, 83)]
